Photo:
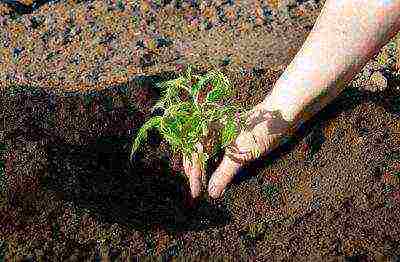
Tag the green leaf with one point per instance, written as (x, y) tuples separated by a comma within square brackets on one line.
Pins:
[(184, 108), (154, 122), (171, 130), (212, 115), (170, 91), (229, 132), (185, 123), (220, 83), (172, 138), (215, 95), (221, 88), (176, 124), (201, 83), (170, 83), (204, 126), (194, 129)]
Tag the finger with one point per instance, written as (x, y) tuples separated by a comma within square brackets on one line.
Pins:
[(195, 178), (194, 173), (195, 182), (222, 177)]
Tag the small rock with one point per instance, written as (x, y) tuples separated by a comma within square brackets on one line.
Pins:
[(26, 2), (315, 204), (36, 22), (377, 82), (17, 51), (163, 42)]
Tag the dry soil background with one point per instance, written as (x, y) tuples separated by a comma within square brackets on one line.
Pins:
[(330, 193)]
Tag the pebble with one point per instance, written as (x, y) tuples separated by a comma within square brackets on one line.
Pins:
[(120, 6), (36, 22), (267, 13), (315, 204), (17, 51), (203, 16), (226, 61), (163, 42), (377, 82)]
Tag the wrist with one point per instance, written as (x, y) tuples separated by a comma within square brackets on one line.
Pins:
[(272, 103), (293, 109)]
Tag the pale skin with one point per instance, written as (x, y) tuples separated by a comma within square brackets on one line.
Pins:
[(346, 35)]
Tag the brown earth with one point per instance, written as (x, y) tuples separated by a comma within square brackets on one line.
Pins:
[(86, 45), (330, 193)]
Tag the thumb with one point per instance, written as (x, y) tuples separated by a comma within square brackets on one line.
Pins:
[(235, 156)]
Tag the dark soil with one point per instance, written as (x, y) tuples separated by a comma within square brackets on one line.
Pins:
[(332, 192)]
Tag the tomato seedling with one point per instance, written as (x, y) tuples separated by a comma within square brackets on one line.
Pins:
[(190, 105)]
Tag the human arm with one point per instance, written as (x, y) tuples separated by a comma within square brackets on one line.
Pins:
[(345, 36)]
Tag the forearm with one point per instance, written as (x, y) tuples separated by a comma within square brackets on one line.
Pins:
[(346, 35)]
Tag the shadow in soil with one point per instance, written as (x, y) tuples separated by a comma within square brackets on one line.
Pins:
[(311, 131), (97, 177), (20, 8), (88, 152)]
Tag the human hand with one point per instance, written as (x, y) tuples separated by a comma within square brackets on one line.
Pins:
[(264, 128)]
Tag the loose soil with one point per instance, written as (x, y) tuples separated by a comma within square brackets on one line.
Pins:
[(332, 192)]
